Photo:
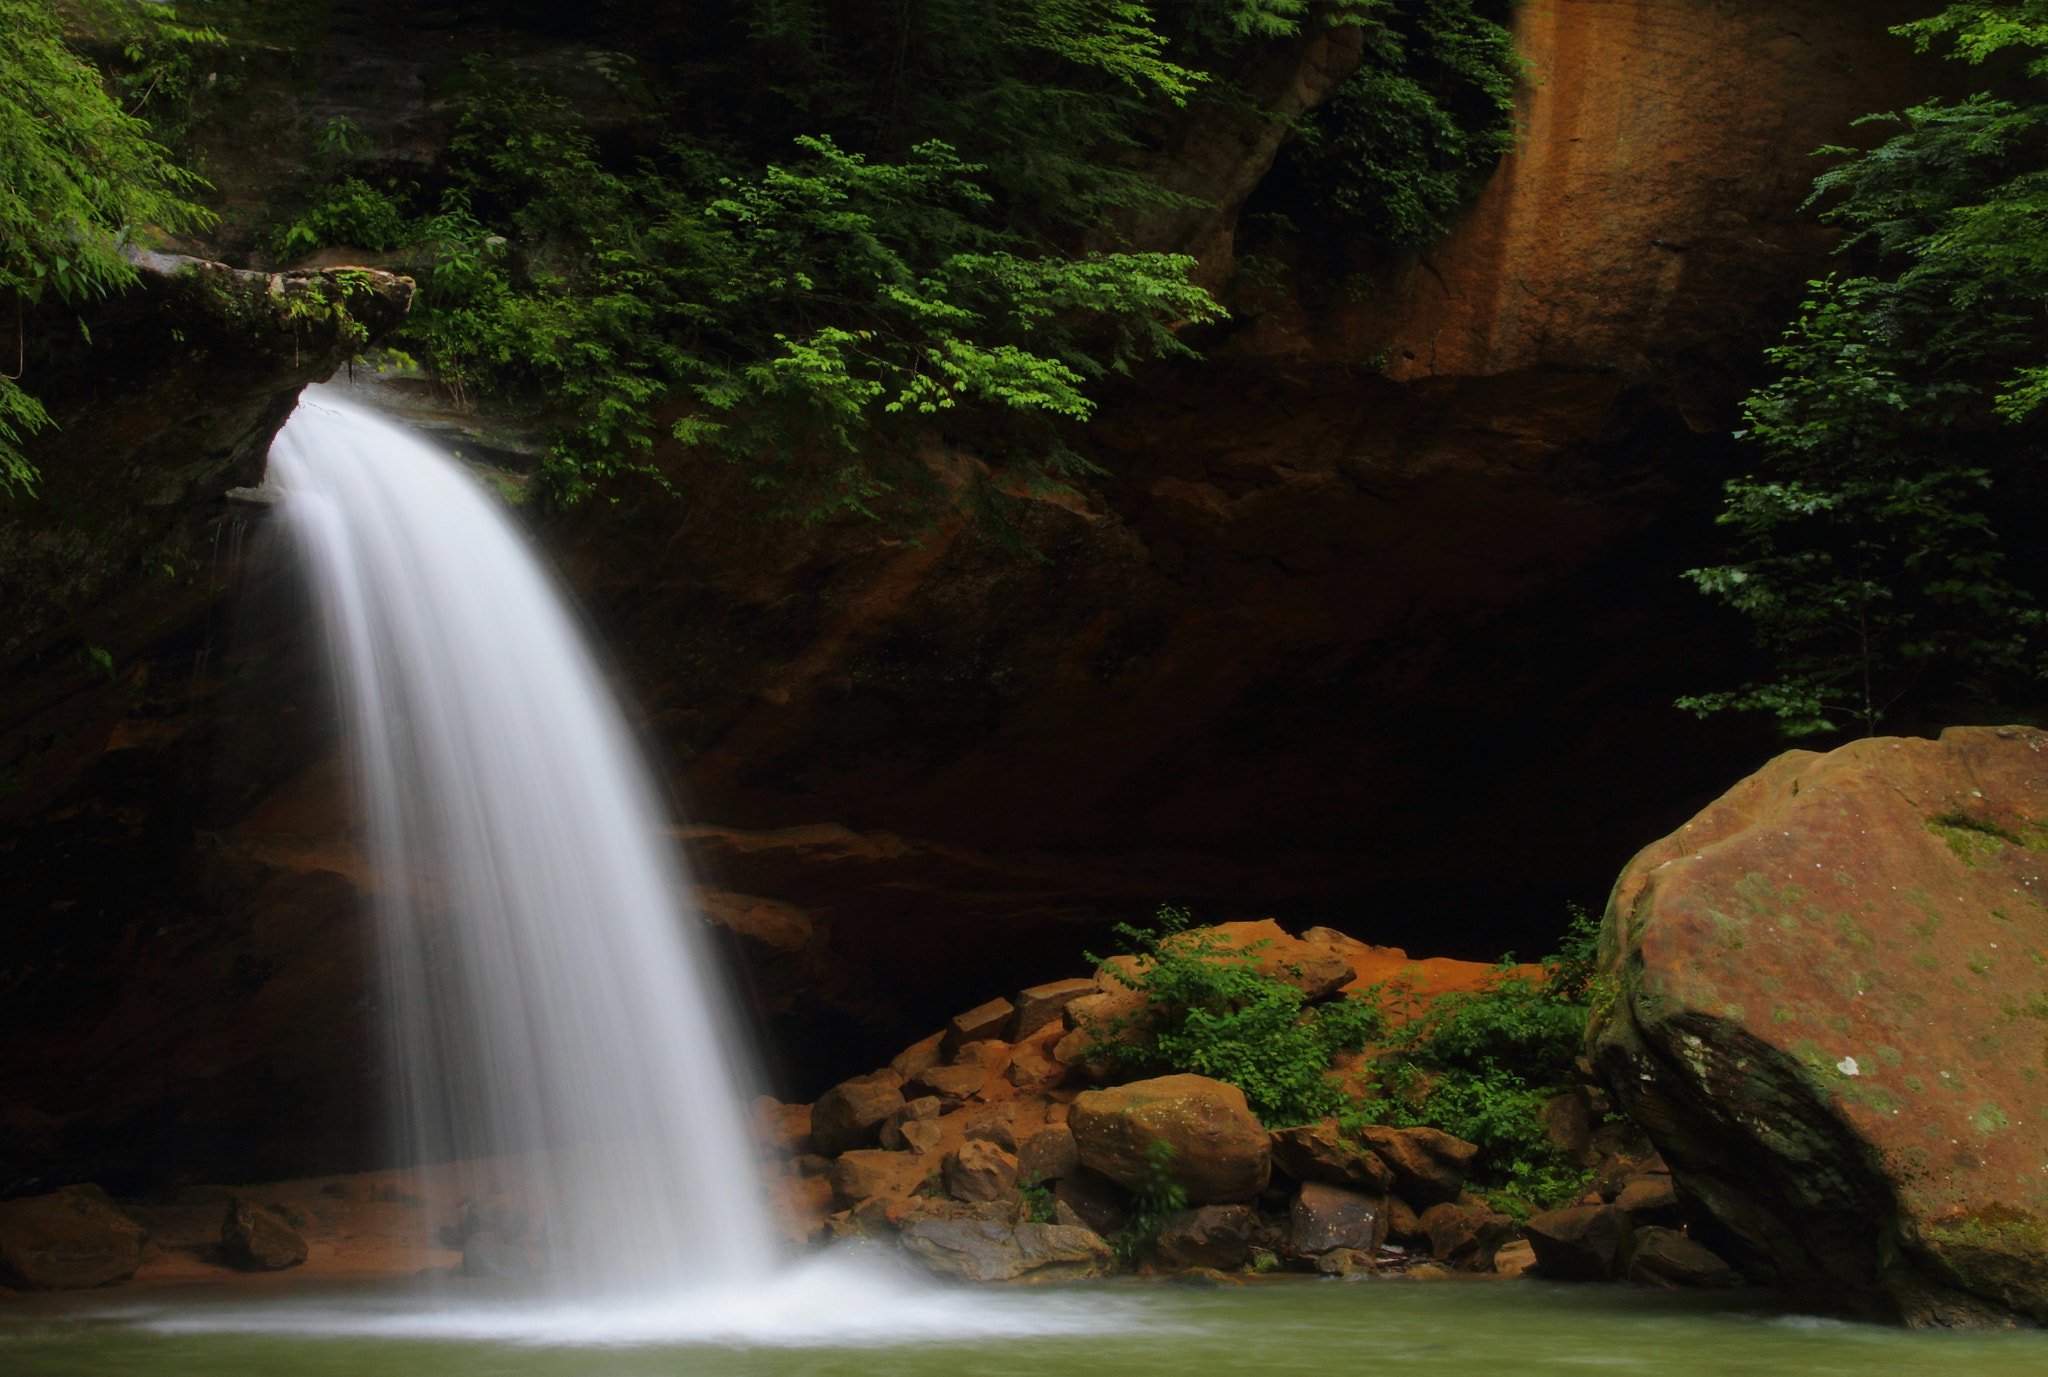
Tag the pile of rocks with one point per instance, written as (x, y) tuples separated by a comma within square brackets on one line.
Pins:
[(1633, 1227), (989, 1151)]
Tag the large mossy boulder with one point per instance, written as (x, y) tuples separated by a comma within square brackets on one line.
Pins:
[(1215, 1150), (1826, 1000)]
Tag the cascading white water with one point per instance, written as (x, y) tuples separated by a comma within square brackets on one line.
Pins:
[(547, 990)]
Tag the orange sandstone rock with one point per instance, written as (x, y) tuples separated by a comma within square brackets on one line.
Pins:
[(1830, 1009)]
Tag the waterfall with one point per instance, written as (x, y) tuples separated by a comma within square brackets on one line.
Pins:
[(547, 987)]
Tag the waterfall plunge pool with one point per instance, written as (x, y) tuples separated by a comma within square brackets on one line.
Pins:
[(842, 1318)]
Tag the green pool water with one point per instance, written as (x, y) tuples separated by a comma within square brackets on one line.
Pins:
[(1135, 1328)]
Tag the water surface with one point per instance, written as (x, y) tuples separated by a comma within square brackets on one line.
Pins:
[(835, 1325)]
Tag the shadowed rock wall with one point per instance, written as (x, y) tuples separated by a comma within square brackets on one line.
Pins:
[(1374, 622)]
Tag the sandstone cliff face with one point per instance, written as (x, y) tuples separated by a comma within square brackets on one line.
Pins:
[(1649, 223), (1359, 588), (1374, 622), (167, 994)]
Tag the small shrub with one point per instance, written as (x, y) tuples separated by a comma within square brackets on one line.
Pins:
[(1037, 1199), (1211, 1011), (1480, 1066)]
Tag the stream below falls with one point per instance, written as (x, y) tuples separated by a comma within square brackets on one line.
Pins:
[(833, 1320)]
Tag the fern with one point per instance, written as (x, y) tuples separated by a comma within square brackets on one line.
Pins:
[(81, 181)]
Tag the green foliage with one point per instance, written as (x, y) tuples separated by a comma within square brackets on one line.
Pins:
[(815, 318), (1480, 1066), (1038, 1199), (843, 230), (1410, 136), (1037, 92), (1982, 29), (1209, 1010), (148, 56), (80, 182), (1874, 545), (1157, 1196)]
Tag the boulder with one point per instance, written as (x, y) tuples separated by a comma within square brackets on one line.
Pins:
[(979, 1170), (921, 1136), (977, 1250), (490, 1255), (66, 1240), (1404, 1226), (867, 1173), (1826, 1017), (1215, 1236), (851, 1113), (1063, 1252), (952, 1085), (919, 1057), (782, 1130), (1043, 1004), (1465, 1237), (1072, 1049), (255, 1240), (1091, 1016), (1345, 1262), (985, 1250), (923, 1109), (1584, 1243), (1032, 1068), (1311, 967), (1324, 1216), (1048, 1155), (997, 1128), (1318, 1152), (1620, 1168), (982, 1022), (1666, 1257), (1429, 1166), (876, 1217), (1514, 1259), (1650, 1200), (1220, 1154), (990, 1054), (1090, 1199)]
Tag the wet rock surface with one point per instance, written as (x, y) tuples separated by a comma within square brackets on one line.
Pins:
[(1585, 1243), (183, 961), (67, 1240), (1825, 1020), (1218, 1237), (253, 1239), (980, 1250)]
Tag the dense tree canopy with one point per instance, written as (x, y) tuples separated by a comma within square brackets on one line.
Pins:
[(862, 223), (840, 228), (1884, 543)]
